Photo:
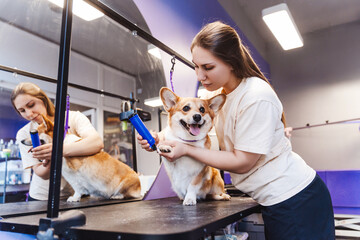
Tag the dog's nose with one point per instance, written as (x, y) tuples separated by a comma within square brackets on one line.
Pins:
[(197, 117)]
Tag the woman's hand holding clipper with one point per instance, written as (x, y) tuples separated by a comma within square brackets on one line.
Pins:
[(144, 143), (43, 153)]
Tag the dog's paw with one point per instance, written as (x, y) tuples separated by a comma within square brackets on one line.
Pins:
[(73, 199), (165, 148), (119, 196), (189, 202), (225, 197)]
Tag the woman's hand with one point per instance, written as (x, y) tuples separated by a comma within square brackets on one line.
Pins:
[(288, 131), (43, 153), (177, 150), (144, 143)]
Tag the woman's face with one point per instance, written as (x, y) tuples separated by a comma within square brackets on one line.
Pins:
[(30, 107), (212, 72)]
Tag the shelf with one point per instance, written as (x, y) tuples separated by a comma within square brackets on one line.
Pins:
[(9, 159)]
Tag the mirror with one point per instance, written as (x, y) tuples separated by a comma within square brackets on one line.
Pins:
[(105, 56)]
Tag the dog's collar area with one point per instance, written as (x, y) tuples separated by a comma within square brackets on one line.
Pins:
[(188, 140)]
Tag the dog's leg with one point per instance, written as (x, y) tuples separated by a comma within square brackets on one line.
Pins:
[(217, 191), (219, 197), (75, 198), (191, 194), (190, 199), (194, 190), (117, 196)]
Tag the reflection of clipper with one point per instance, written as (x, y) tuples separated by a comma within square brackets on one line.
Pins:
[(125, 107), (35, 138), (34, 135)]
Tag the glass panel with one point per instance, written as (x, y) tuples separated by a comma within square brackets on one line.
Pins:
[(118, 138), (128, 10), (104, 56), (30, 34)]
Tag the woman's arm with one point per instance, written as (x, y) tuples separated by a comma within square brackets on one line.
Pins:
[(236, 161), (42, 169), (90, 143)]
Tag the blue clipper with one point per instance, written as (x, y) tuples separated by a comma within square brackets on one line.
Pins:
[(142, 130), (35, 138)]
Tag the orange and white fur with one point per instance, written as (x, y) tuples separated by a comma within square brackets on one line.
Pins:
[(190, 120), (98, 175)]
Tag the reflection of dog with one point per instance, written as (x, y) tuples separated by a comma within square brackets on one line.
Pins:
[(190, 120), (98, 175)]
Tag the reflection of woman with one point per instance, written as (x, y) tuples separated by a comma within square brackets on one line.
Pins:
[(114, 151), (296, 203), (31, 102)]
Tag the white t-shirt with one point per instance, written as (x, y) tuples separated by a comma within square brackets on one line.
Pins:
[(39, 188), (250, 121)]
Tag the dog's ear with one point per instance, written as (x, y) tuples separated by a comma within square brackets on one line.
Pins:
[(49, 125), (217, 102), (168, 98)]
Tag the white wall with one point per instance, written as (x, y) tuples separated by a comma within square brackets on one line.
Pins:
[(22, 50), (30, 53), (317, 83)]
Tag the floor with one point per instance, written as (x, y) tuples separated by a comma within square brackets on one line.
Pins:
[(347, 238), (347, 226)]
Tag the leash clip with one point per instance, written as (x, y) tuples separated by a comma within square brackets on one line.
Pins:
[(173, 63)]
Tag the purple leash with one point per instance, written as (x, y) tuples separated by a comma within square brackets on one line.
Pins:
[(67, 115), (171, 73)]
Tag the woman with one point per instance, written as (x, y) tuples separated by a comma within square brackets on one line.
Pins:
[(31, 103), (256, 152)]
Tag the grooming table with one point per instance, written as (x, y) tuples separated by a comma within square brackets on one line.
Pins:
[(163, 218)]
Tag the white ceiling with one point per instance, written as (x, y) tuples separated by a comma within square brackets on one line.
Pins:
[(309, 15), (92, 38), (95, 39)]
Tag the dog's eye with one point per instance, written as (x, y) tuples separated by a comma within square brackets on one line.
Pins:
[(202, 109), (186, 108)]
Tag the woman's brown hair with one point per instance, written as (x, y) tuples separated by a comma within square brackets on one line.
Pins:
[(224, 43), (35, 91)]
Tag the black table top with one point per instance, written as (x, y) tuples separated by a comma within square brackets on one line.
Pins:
[(155, 219), (17, 188), (16, 209)]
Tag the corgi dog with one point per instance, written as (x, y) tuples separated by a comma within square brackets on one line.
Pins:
[(189, 121), (97, 175)]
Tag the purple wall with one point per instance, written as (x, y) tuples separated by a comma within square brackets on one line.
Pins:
[(10, 120), (344, 190), (175, 23)]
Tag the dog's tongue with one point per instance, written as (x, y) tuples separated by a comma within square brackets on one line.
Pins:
[(194, 129)]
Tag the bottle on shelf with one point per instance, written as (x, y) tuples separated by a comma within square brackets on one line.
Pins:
[(2, 144), (14, 148)]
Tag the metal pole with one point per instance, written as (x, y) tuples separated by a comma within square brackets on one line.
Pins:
[(5, 184), (61, 92), (139, 32), (133, 135), (160, 127), (51, 80)]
